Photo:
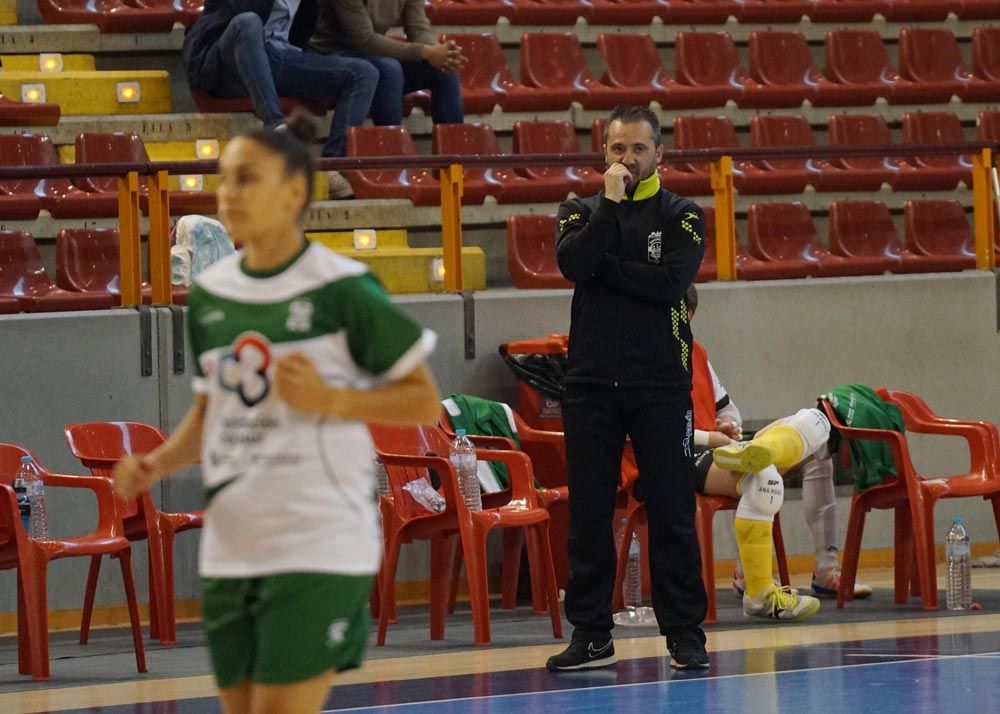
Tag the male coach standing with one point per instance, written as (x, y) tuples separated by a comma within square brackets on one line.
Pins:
[(632, 250)]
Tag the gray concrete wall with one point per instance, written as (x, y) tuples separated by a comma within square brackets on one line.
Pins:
[(776, 345)]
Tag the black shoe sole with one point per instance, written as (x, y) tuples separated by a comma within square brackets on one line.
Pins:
[(695, 665), (590, 664)]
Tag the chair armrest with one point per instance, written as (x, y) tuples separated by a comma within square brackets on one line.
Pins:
[(522, 477), (108, 518), (443, 466), (493, 442)]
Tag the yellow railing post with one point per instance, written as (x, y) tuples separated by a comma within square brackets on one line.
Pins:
[(128, 237), (725, 217), (159, 238), (451, 226), (983, 209)]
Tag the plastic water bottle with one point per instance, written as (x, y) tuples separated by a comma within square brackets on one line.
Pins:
[(381, 477), (23, 504), (957, 555), (38, 523), (463, 457), (633, 577)]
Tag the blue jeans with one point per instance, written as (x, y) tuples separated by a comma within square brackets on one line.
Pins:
[(397, 78), (308, 75), (237, 66)]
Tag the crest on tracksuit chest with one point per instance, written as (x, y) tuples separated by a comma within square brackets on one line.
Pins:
[(654, 247)]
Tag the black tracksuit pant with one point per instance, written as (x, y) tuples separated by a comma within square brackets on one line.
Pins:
[(597, 420)]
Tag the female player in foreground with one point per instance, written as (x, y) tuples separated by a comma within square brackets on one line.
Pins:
[(296, 349)]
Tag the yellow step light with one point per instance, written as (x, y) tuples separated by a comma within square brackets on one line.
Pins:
[(365, 239), (50, 62), (206, 148), (128, 92), (33, 93)]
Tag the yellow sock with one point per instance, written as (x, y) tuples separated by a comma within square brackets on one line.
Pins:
[(753, 539), (785, 443)]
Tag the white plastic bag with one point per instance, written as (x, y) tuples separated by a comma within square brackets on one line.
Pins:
[(203, 240)]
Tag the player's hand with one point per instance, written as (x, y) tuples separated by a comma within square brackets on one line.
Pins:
[(717, 438), (729, 427), (615, 179), (297, 382), (134, 474)]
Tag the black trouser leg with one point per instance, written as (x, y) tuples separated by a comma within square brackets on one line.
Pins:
[(595, 439), (659, 423)]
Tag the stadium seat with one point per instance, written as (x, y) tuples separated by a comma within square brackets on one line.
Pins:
[(867, 172), (503, 183), (856, 68), (979, 10), (99, 446), (108, 15), (942, 171), (23, 279), (404, 452), (127, 147), (938, 235), (531, 253), (17, 196), (625, 12), (14, 113), (847, 10), (921, 10), (707, 69), (988, 125), (31, 558), (58, 196), (773, 11), (708, 12), (185, 11), (931, 68), (782, 70), (548, 12), (794, 130), (554, 60), (9, 306), (783, 236), (554, 137), (421, 186), (863, 232), (467, 12), (747, 268), (210, 104), (633, 64), (984, 85)]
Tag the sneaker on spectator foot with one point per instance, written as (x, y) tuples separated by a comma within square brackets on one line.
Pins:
[(583, 654), (827, 583), (339, 186), (687, 652), (780, 604), (746, 458)]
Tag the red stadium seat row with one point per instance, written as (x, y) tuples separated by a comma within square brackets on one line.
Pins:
[(22, 199), (122, 15), (783, 243), (87, 272), (685, 12), (539, 184), (709, 73)]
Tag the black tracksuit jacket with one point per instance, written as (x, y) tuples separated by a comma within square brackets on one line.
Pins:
[(632, 263)]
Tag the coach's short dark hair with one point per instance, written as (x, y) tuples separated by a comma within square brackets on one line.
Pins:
[(633, 114)]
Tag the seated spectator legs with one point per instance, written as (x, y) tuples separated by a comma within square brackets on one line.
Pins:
[(397, 78), (237, 66)]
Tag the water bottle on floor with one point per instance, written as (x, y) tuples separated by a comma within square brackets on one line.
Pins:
[(463, 457), (633, 576), (957, 557), (29, 473)]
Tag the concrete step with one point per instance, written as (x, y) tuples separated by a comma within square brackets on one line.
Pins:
[(47, 63)]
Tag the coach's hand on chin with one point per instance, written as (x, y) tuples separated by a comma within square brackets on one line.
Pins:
[(616, 178)]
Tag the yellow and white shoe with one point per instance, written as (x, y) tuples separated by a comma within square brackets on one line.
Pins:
[(779, 603), (747, 457)]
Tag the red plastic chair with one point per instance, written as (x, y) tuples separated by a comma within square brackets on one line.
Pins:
[(531, 253), (552, 184), (708, 12), (867, 172), (847, 10), (913, 495), (15, 113), (467, 12), (782, 70), (404, 452), (938, 235), (420, 186), (921, 10), (503, 183), (988, 125), (634, 64), (789, 131), (935, 171), (856, 67), (707, 69), (863, 232), (773, 11), (747, 267), (185, 11), (548, 12), (99, 446), (127, 147), (108, 15), (32, 557), (931, 68), (984, 85), (24, 282), (979, 10), (626, 12), (554, 60), (210, 104), (783, 235)]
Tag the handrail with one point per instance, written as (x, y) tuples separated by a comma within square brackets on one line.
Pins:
[(450, 167)]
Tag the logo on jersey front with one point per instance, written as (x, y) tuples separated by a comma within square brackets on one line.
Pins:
[(655, 246), (300, 315), (244, 369), (336, 633)]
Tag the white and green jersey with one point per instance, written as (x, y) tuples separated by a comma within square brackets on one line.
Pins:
[(291, 492)]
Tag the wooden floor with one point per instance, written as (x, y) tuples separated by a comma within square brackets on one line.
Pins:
[(400, 677)]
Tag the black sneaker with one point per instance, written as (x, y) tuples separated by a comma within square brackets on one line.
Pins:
[(583, 654), (687, 653)]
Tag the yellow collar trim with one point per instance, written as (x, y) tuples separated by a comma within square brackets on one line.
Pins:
[(647, 188)]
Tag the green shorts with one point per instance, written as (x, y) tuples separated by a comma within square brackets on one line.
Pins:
[(282, 629)]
